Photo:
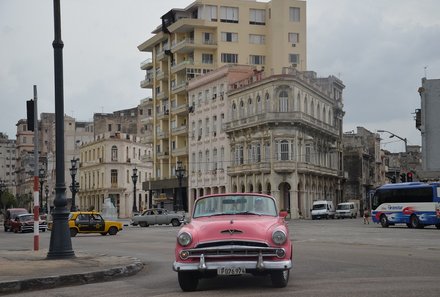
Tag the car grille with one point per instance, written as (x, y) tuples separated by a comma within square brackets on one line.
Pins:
[(232, 249)]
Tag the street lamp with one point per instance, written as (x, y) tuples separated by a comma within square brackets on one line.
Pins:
[(134, 178), (41, 175), (180, 173), (46, 190), (397, 136), (73, 187)]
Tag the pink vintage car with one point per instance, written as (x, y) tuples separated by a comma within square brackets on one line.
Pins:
[(233, 234)]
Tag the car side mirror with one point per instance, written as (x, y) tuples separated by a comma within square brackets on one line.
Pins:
[(283, 213)]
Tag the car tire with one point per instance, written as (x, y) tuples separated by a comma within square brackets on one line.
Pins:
[(409, 225), (143, 224), (103, 233), (73, 232), (112, 231), (15, 230), (43, 230), (6, 228), (280, 278), (188, 280), (437, 226), (175, 222), (384, 221), (415, 222)]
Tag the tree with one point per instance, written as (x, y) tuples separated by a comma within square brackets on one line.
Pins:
[(7, 200)]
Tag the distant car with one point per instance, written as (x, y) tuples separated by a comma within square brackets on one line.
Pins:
[(346, 210), (92, 222), (233, 234), (11, 214), (25, 223), (158, 216), (323, 209)]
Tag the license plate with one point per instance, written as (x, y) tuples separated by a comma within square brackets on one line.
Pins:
[(231, 270)]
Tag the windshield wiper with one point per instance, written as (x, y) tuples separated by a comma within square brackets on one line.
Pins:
[(247, 213)]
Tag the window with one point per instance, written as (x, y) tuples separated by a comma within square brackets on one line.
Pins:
[(228, 14), (308, 153), (284, 100), (259, 105), (114, 153), (257, 16), (222, 157), (257, 60), (267, 102), (207, 59), (109, 127), (214, 159), (293, 37), (229, 58), (283, 150), (207, 161), (293, 58), (294, 14), (267, 151), (239, 157), (199, 161), (207, 38), (210, 13), (229, 37), (114, 177), (256, 39)]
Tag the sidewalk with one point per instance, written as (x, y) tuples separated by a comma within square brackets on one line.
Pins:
[(30, 270)]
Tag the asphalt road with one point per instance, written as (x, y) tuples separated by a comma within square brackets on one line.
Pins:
[(331, 258)]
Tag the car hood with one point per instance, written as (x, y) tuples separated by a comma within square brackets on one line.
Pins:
[(243, 227)]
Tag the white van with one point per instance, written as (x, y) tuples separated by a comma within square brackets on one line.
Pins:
[(346, 210), (323, 209)]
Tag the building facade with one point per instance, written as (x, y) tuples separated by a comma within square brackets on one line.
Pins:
[(196, 40), (7, 163), (429, 125)]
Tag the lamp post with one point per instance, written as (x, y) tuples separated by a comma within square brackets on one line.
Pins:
[(397, 136), (73, 187), (180, 173), (46, 190), (41, 175), (134, 178)]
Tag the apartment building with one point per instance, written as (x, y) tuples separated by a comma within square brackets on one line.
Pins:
[(206, 35), (209, 152), (106, 170), (7, 163)]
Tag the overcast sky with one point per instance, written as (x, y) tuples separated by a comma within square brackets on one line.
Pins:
[(380, 49)]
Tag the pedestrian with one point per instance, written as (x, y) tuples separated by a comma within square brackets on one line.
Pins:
[(366, 216)]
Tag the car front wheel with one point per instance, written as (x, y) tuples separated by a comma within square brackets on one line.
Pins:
[(143, 224), (280, 278), (188, 280), (175, 222), (73, 232)]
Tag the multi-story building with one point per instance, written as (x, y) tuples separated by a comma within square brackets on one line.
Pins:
[(196, 40), (429, 125), (209, 152), (364, 165), (106, 170), (7, 163), (285, 134), (24, 167)]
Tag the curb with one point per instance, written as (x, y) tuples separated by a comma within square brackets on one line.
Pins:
[(50, 282)]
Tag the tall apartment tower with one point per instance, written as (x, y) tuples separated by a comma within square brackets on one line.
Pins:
[(198, 39), (428, 124)]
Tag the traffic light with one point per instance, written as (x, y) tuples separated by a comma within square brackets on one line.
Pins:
[(403, 177), (30, 114), (409, 177)]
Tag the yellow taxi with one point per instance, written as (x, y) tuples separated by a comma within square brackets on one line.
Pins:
[(92, 222)]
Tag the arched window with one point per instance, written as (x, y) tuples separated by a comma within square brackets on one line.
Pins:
[(330, 122), (268, 103), (324, 115), (318, 112), (114, 153), (283, 101), (234, 111), (298, 102), (306, 107), (312, 108), (250, 107), (259, 105), (241, 109)]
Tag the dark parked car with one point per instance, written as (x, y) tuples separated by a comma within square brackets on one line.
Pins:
[(25, 223), (11, 214)]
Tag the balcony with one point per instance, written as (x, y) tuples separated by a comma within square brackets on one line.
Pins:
[(183, 151), (281, 117), (178, 88), (162, 155), (182, 65), (179, 130), (147, 120), (162, 135), (147, 83), (160, 75), (184, 46), (284, 166), (179, 110), (147, 64)]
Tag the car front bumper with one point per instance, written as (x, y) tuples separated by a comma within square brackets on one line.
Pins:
[(249, 265)]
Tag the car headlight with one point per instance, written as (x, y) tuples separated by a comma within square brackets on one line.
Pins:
[(184, 238), (279, 237)]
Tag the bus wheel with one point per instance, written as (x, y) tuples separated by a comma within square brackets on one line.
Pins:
[(415, 222), (409, 225), (384, 221), (437, 226)]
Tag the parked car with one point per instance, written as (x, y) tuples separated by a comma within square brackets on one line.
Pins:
[(92, 222), (10, 216), (323, 209), (346, 210), (233, 234), (25, 223), (158, 216)]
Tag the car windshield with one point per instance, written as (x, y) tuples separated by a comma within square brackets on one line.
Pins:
[(27, 218), (343, 206), (234, 205), (319, 206)]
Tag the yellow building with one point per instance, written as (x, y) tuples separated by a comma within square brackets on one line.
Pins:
[(198, 39)]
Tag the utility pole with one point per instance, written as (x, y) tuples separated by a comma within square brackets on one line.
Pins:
[(36, 177)]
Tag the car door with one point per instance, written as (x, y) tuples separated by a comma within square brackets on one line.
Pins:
[(82, 221), (97, 223), (161, 217), (149, 217)]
